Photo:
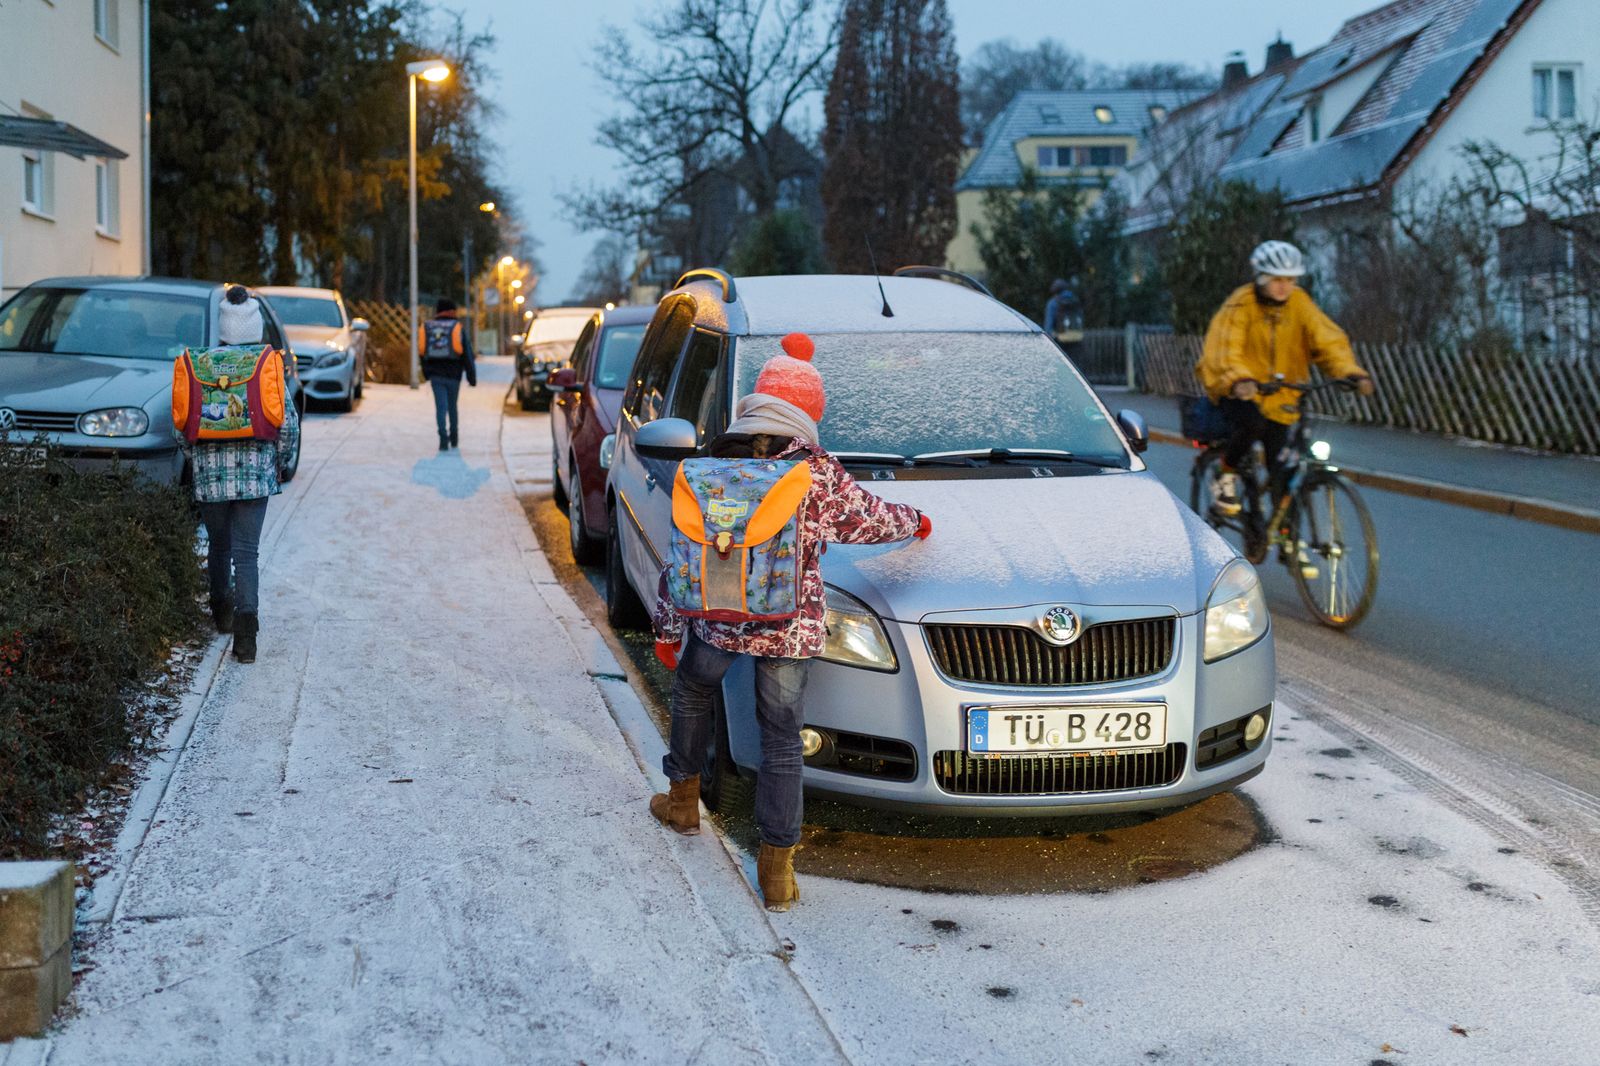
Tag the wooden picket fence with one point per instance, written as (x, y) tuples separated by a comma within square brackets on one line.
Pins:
[(388, 346), (1549, 404)]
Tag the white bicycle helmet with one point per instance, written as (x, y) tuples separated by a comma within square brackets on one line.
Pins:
[(1278, 259)]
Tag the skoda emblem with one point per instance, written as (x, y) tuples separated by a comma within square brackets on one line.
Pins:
[(1060, 626), (8, 419)]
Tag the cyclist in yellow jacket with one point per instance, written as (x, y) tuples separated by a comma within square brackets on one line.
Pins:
[(1264, 329)]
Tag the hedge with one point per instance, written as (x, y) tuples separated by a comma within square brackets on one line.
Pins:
[(99, 579)]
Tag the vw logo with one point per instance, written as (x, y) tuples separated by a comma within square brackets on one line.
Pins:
[(1060, 626), (8, 419)]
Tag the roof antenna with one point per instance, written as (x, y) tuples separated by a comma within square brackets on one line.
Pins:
[(887, 311)]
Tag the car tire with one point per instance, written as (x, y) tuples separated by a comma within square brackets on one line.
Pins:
[(346, 403), (293, 466), (624, 609), (722, 787), (525, 401), (586, 550), (558, 488), (355, 392)]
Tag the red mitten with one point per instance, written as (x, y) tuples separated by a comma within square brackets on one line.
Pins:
[(667, 652), (924, 528)]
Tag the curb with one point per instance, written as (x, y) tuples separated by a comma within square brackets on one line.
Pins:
[(1527, 508), (107, 891)]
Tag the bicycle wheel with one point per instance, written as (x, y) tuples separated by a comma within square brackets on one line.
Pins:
[(1245, 527), (1335, 551)]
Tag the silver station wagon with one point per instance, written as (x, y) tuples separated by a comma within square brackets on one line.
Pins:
[(1071, 638)]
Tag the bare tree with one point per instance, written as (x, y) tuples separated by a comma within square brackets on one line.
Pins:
[(715, 93), (605, 274)]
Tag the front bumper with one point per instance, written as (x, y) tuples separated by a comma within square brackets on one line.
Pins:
[(160, 459), (329, 382), (922, 708)]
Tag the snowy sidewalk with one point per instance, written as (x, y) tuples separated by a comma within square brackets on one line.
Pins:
[(412, 831)]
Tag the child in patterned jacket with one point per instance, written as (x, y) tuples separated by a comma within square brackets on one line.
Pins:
[(779, 421)]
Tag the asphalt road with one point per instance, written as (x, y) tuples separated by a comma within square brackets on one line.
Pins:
[(1508, 605)]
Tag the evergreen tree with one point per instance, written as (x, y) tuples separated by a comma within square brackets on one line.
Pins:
[(1032, 237), (784, 242), (1207, 254), (892, 138)]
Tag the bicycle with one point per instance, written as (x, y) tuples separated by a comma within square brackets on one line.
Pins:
[(1320, 526)]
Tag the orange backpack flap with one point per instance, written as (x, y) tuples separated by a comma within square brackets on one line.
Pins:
[(455, 340), (182, 375), (273, 387)]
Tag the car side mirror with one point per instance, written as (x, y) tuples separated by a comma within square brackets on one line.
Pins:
[(1132, 425), (359, 325), (667, 438), (563, 380)]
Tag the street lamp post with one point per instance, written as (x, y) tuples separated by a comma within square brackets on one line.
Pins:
[(433, 70)]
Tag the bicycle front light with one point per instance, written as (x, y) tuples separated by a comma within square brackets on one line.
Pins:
[(1236, 612), (1320, 450), (855, 636)]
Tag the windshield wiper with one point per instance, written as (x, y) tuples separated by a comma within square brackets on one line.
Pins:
[(1005, 455), (870, 458)]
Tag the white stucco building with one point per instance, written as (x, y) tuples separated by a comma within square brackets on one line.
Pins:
[(73, 139)]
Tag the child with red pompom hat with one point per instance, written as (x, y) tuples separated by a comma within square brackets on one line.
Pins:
[(777, 421)]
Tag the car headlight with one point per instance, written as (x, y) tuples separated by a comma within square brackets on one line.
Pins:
[(608, 448), (114, 422), (855, 636), (1236, 612), (333, 358)]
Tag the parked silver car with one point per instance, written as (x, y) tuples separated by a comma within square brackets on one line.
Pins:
[(1071, 638), (330, 347), (87, 363)]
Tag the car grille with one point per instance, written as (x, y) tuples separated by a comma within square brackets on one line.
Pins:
[(44, 422), (880, 757), (1055, 775), (1012, 655)]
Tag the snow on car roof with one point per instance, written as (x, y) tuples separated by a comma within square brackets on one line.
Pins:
[(849, 303)]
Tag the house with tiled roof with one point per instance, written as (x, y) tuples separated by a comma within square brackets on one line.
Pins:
[(1382, 109), (1077, 137)]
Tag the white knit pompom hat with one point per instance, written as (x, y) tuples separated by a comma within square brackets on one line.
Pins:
[(241, 317)]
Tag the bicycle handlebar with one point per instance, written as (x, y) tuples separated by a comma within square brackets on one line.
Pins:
[(1306, 388)]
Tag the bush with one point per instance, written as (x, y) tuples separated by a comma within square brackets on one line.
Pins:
[(98, 580), (784, 242), (1207, 255)]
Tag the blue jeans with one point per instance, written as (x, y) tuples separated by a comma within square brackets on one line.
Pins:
[(234, 529), (780, 683), (446, 392)]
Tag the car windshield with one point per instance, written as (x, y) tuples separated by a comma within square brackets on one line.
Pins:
[(307, 311), (618, 346), (549, 329), (141, 325), (917, 394)]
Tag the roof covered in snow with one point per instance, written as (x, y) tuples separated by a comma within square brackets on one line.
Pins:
[(849, 303), (1411, 58), (1071, 113)]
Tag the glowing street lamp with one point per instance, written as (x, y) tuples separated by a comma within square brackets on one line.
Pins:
[(487, 207), (435, 71), (520, 300)]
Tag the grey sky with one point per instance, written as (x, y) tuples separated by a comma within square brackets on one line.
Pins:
[(551, 100)]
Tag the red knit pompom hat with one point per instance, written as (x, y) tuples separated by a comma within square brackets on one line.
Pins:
[(792, 377)]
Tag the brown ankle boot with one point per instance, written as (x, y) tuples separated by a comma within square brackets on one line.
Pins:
[(679, 809), (775, 872)]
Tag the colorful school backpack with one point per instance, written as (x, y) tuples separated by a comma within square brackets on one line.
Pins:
[(235, 392), (440, 338), (734, 553)]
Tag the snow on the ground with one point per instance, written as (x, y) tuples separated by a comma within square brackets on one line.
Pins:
[(412, 832)]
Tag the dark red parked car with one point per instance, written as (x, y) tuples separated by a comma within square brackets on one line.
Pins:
[(583, 419)]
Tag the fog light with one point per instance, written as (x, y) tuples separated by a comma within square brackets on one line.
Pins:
[(811, 742), (1255, 727)]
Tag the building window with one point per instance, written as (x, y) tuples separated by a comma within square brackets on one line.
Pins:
[(1104, 115), (107, 198), (1158, 114), (1314, 119), (38, 174), (105, 21), (1108, 155), (1050, 115), (1555, 92)]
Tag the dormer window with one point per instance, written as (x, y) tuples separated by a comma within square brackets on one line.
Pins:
[(1314, 119), (1158, 113), (1050, 116), (1104, 115)]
